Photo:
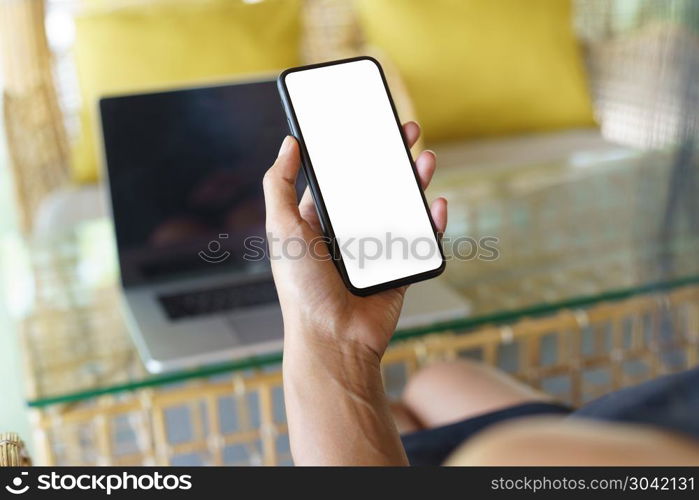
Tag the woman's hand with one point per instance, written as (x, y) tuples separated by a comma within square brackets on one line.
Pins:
[(318, 309)]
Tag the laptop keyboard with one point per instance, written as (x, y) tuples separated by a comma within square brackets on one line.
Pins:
[(215, 300)]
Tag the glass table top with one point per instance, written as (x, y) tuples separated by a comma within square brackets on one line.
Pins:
[(533, 239)]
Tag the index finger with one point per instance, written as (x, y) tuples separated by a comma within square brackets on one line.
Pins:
[(411, 130)]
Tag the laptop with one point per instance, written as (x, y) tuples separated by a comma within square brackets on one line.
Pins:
[(185, 172)]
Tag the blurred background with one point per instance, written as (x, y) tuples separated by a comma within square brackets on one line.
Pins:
[(565, 129)]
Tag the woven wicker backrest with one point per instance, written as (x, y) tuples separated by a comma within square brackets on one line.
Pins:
[(12, 451), (33, 120)]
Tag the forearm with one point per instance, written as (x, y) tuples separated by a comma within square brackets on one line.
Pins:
[(337, 410)]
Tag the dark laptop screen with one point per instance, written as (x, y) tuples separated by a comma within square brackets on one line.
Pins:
[(185, 171)]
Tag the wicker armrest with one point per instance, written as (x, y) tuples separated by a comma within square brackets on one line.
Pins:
[(12, 451)]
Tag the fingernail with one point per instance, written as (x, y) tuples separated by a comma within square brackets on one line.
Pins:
[(286, 144)]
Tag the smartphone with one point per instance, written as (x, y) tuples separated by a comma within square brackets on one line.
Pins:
[(361, 174)]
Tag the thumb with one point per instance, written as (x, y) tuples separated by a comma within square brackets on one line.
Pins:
[(279, 185)]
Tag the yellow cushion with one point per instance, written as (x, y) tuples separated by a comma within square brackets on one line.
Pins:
[(483, 67), (175, 43)]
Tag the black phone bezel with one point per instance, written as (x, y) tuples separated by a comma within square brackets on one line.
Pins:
[(324, 217)]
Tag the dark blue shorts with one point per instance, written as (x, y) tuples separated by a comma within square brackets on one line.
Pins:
[(670, 402)]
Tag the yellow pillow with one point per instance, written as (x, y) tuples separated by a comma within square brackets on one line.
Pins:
[(173, 43), (483, 67)]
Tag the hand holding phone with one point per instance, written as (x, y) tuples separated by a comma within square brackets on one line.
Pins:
[(318, 308), (361, 175)]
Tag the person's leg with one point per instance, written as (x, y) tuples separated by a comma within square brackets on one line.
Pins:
[(543, 441), (404, 419), (447, 392)]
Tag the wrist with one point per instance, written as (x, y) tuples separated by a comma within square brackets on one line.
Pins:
[(336, 405), (340, 347), (352, 366)]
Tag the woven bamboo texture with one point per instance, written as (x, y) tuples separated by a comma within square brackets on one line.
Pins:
[(34, 123), (12, 451), (238, 419)]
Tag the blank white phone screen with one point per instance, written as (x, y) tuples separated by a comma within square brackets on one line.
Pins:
[(363, 172)]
